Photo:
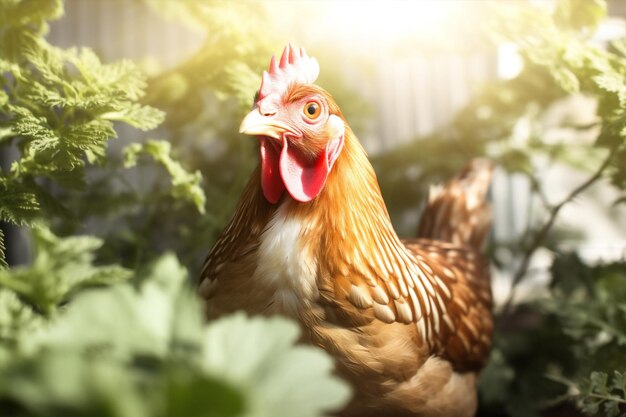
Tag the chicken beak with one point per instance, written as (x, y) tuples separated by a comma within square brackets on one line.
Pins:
[(258, 124)]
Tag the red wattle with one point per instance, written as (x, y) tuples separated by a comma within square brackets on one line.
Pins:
[(271, 183), (303, 179)]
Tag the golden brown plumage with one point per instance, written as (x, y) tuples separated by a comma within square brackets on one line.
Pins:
[(408, 321)]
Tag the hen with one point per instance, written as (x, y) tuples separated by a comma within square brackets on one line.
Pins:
[(408, 322)]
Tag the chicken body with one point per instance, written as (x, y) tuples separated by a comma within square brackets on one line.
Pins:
[(408, 321)]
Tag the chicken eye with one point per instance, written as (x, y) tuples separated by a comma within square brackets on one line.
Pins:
[(312, 110)]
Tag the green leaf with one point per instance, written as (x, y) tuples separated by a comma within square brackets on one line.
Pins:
[(185, 185), (612, 82), (283, 380), (566, 79), (243, 81), (141, 117), (611, 408), (18, 320), (206, 396), (18, 204), (59, 107), (32, 127), (4, 100), (580, 14), (598, 381), (126, 321), (61, 266), (610, 395), (22, 12), (120, 349), (61, 383), (117, 320), (619, 382)]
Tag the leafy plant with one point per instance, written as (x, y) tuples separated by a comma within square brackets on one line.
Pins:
[(59, 107), (146, 351), (60, 268), (184, 184), (604, 394)]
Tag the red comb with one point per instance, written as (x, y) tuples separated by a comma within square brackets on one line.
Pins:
[(295, 67)]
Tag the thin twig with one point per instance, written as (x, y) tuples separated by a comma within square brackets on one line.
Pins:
[(536, 186), (543, 231), (613, 398)]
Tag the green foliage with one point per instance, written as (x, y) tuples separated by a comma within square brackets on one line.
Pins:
[(577, 330), (145, 350), (602, 394), (598, 394), (590, 300), (185, 185), (580, 15), (547, 349), (58, 109), (17, 319), (203, 97), (60, 268), (270, 365)]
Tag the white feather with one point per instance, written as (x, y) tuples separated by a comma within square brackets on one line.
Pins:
[(284, 265)]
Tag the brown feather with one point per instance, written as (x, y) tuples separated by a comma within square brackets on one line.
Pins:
[(409, 322)]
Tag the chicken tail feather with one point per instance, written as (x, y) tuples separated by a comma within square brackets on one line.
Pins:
[(458, 211)]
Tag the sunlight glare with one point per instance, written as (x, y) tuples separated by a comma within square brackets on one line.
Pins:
[(385, 22)]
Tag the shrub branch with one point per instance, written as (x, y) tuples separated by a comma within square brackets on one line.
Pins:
[(542, 233)]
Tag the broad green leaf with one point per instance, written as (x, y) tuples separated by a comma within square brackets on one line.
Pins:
[(61, 383), (120, 349), (281, 379), (206, 396), (124, 320)]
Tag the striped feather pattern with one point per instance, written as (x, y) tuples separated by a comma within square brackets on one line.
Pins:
[(384, 307)]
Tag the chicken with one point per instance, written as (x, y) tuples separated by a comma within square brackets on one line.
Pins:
[(408, 322)]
